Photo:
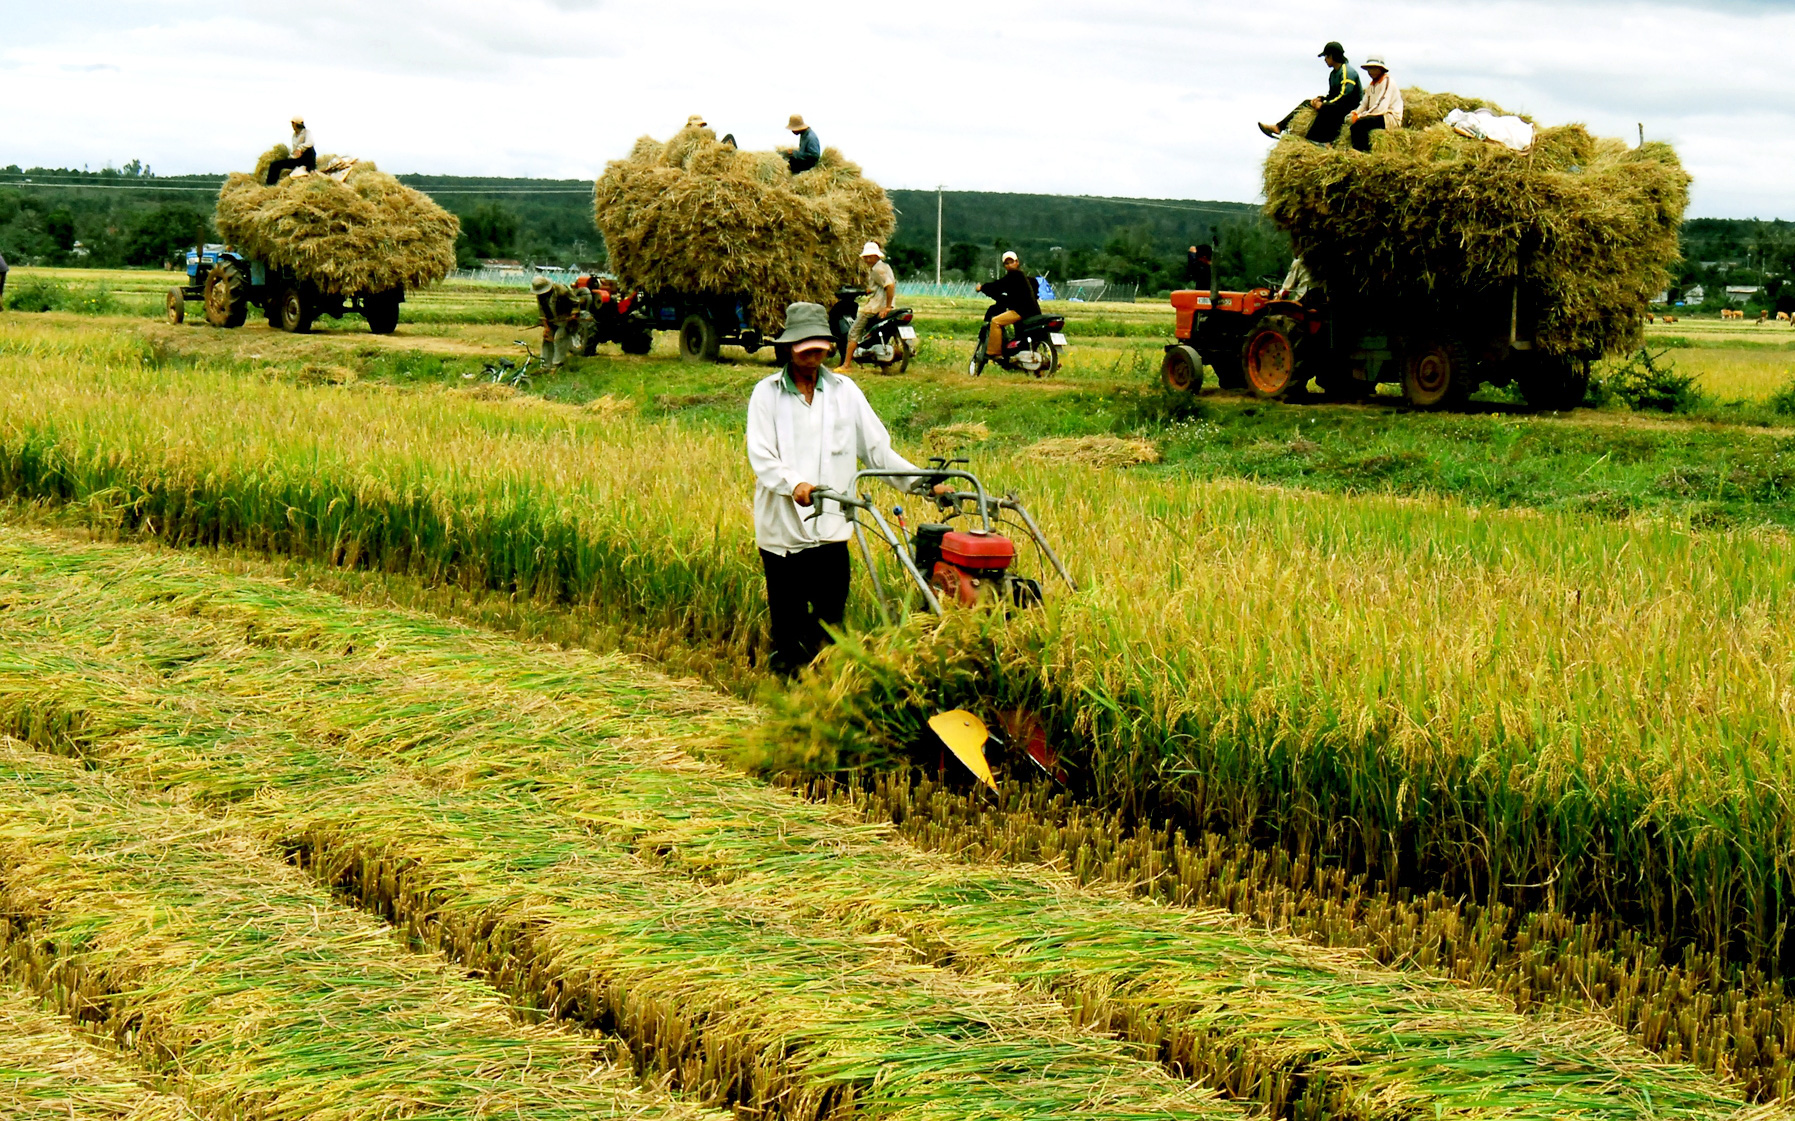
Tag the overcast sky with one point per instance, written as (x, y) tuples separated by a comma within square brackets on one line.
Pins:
[(1146, 98)]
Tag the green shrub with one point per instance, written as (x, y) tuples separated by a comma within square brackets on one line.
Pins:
[(48, 295), (1645, 381), (1782, 402)]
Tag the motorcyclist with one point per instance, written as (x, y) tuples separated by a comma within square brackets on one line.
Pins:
[(1012, 298)]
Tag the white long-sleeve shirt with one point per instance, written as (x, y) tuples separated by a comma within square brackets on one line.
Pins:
[(1383, 99), (820, 443), (302, 139)]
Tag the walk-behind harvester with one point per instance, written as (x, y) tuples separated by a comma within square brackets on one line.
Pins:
[(959, 560)]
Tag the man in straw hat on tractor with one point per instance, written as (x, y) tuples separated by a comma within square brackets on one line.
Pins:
[(304, 154), (1343, 96), (809, 149), (881, 299), (1382, 108), (807, 428)]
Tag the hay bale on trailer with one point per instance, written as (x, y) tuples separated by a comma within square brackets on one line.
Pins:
[(693, 215), (1583, 229), (348, 237), (367, 233)]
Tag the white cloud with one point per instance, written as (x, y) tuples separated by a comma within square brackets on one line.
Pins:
[(1128, 98)]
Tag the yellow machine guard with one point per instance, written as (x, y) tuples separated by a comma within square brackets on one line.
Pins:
[(965, 736)]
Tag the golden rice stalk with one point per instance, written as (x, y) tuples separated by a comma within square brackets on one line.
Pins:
[(694, 215), (1437, 225), (50, 1073), (251, 991), (1095, 451), (369, 233)]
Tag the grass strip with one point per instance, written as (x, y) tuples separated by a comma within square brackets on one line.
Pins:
[(48, 1072), (247, 987), (1263, 1018)]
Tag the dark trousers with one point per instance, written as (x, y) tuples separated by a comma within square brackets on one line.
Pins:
[(799, 163), (307, 159), (1362, 130), (805, 589), (1326, 125)]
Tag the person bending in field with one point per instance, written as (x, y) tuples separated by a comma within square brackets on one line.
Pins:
[(809, 149), (1343, 96), (881, 300), (560, 310), (1382, 108), (807, 427), (304, 154), (1013, 299)]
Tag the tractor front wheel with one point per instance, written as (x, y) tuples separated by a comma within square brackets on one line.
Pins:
[(1270, 358), (698, 340), (1182, 370), (227, 295), (176, 303), (1435, 374)]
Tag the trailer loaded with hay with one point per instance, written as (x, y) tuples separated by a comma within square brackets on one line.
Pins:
[(345, 238), (715, 242), (1443, 261)]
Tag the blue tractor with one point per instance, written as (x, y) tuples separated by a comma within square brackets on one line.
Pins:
[(227, 283)]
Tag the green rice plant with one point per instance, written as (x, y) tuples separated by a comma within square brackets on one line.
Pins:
[(1537, 711), (1264, 1019), (246, 987), (48, 1072)]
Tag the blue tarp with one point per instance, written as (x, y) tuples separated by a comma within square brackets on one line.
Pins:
[(1044, 290)]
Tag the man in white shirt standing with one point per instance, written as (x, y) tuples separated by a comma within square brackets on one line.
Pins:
[(303, 153), (1382, 107), (881, 300), (807, 428)]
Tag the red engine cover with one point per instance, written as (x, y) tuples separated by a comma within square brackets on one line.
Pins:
[(986, 551)]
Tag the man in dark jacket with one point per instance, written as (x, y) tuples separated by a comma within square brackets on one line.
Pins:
[(1196, 265), (1343, 96), (1012, 297)]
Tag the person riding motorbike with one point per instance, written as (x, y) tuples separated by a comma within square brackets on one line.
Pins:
[(1013, 300)]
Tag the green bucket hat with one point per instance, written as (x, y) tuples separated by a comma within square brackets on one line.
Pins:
[(805, 321)]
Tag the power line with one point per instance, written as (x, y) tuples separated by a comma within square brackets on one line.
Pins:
[(210, 188)]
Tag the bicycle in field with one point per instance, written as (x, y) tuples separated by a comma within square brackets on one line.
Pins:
[(507, 372)]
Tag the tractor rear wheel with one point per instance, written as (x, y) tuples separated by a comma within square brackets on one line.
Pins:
[(227, 295), (176, 304), (1435, 374), (1182, 370), (1270, 358), (292, 312), (381, 310), (698, 339)]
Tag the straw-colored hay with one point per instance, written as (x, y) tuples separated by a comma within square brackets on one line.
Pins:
[(694, 215), (1429, 218), (369, 233), (1094, 451)]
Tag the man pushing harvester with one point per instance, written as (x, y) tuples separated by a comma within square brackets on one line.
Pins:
[(807, 426), (1343, 96)]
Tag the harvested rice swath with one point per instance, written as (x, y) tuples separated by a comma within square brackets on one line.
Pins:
[(250, 989), (368, 233), (694, 215), (1251, 1014), (49, 1073), (1587, 225)]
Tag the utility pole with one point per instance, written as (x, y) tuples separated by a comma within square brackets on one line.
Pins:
[(937, 233)]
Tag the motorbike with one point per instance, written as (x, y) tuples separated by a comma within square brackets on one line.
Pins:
[(890, 340), (1032, 346)]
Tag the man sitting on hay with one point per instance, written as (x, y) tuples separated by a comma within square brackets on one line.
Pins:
[(1343, 96)]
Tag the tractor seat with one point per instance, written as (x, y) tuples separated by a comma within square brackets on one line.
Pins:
[(1034, 322)]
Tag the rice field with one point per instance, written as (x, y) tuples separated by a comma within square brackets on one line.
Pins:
[(1528, 752), (747, 946)]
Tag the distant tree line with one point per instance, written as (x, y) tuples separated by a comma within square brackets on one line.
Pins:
[(128, 216)]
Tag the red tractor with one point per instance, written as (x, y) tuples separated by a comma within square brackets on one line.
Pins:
[(1274, 344)]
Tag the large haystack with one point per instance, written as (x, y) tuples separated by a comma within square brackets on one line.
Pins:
[(368, 233), (1588, 225), (695, 215)]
